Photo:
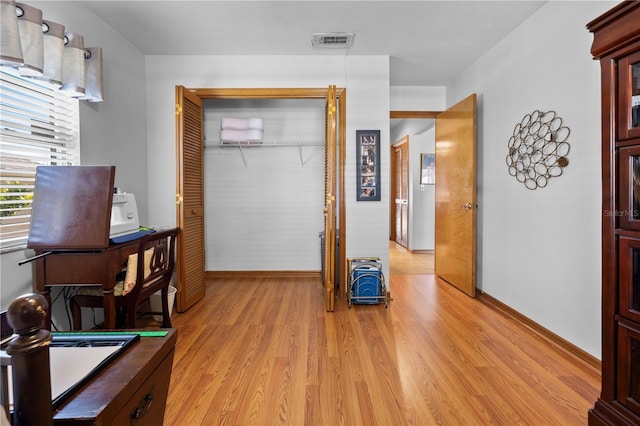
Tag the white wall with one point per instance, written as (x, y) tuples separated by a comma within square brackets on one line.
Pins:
[(539, 251), (111, 132), (422, 198), (367, 83), (264, 204), (418, 98), (368, 109)]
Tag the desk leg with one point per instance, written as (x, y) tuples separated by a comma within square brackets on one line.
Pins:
[(109, 304)]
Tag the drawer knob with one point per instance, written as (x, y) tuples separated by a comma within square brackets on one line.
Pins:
[(144, 407)]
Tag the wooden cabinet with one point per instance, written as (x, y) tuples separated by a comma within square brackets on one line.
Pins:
[(131, 390), (617, 46), (146, 406)]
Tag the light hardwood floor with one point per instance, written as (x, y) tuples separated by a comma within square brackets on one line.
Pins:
[(262, 351), (404, 262)]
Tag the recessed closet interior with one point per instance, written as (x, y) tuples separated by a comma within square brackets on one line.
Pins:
[(264, 202)]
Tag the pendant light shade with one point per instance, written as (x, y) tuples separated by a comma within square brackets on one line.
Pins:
[(93, 74), (53, 34), (31, 39), (35, 48), (10, 46), (73, 65)]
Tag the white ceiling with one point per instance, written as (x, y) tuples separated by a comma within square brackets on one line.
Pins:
[(429, 42)]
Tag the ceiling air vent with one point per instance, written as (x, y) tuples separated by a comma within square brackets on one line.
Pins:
[(332, 40)]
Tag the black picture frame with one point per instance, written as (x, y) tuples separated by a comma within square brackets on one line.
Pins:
[(368, 165)]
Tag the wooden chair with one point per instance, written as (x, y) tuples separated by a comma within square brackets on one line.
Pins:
[(148, 270)]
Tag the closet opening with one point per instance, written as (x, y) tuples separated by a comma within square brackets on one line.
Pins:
[(260, 205), (264, 196)]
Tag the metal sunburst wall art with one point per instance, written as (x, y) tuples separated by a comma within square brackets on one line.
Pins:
[(538, 149)]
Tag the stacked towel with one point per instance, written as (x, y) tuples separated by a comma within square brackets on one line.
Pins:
[(249, 135), (241, 123), (241, 130)]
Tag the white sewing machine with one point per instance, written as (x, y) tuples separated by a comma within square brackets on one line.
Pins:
[(124, 215)]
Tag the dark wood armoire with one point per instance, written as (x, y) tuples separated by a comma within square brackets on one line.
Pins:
[(617, 46)]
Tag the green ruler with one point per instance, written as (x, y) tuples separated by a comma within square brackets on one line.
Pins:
[(151, 333)]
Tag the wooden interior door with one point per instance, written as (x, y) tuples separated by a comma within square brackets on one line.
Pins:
[(190, 265), (401, 192), (455, 233), (330, 198)]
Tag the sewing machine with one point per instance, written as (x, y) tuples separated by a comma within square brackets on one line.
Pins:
[(124, 215)]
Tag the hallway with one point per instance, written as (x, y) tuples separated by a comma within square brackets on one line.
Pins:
[(403, 262)]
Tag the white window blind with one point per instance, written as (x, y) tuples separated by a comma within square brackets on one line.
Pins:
[(38, 126)]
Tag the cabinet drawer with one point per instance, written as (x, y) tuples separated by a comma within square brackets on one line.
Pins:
[(146, 406), (628, 376)]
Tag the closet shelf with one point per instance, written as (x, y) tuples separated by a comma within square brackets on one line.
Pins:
[(248, 144)]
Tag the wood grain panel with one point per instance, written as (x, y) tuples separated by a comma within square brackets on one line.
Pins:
[(265, 351), (413, 114), (455, 231), (330, 167), (400, 191), (190, 199), (262, 93)]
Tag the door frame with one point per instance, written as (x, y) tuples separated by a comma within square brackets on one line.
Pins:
[(301, 93), (413, 114), (405, 115), (393, 231)]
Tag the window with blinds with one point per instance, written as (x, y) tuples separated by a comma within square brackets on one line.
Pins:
[(39, 126)]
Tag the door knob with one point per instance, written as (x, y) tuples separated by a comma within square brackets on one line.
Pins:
[(467, 206)]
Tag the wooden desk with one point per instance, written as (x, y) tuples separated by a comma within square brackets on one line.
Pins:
[(83, 267), (136, 383)]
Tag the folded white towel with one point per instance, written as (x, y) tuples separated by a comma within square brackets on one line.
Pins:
[(229, 123), (252, 135)]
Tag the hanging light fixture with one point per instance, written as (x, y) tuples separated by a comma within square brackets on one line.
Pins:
[(31, 39), (93, 74), (73, 65), (10, 47), (42, 50), (53, 34)]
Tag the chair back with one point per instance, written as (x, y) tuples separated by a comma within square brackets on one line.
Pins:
[(155, 263)]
